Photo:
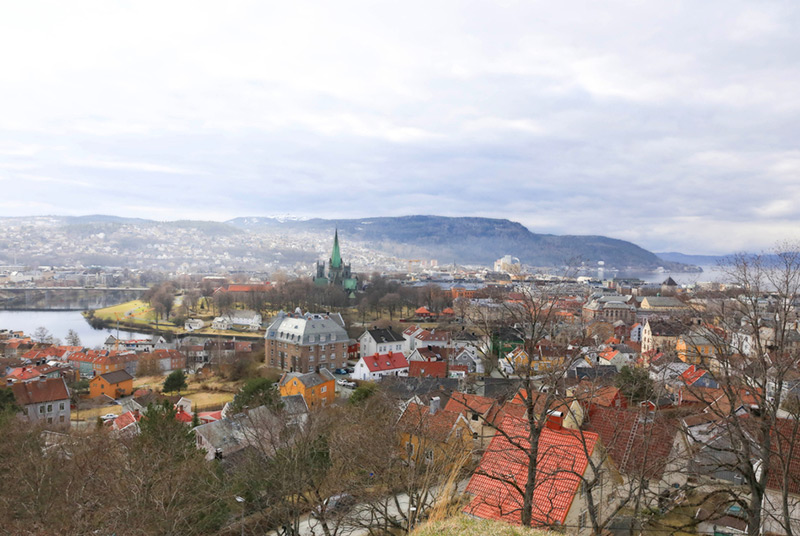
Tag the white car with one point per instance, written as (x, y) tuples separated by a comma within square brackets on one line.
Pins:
[(109, 416)]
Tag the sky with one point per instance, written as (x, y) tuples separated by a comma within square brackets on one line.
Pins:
[(674, 125)]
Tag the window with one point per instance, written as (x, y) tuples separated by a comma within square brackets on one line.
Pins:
[(323, 389), (49, 408), (61, 419), (61, 406), (429, 456), (41, 408), (311, 357), (311, 368), (49, 420)]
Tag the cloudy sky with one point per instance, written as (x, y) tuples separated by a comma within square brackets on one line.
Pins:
[(672, 125)]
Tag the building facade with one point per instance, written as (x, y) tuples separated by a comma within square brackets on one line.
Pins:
[(297, 342)]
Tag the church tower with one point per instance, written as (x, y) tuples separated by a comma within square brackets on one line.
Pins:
[(338, 273)]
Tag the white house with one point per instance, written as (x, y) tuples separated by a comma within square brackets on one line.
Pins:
[(417, 337), (238, 320), (376, 366), (193, 324), (380, 341)]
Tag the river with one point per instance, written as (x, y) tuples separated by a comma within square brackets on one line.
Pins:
[(58, 323)]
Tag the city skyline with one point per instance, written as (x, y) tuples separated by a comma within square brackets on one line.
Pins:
[(671, 127)]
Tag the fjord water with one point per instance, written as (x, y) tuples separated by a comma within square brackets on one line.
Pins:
[(58, 323)]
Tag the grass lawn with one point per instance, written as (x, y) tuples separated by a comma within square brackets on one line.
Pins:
[(128, 311), (209, 393)]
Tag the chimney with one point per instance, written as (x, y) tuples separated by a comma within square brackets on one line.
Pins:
[(9, 381), (42, 378), (434, 405), (555, 420), (136, 414)]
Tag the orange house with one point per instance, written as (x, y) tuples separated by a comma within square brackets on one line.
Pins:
[(114, 384), (318, 389)]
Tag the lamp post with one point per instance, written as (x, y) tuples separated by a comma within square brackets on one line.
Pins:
[(241, 500)]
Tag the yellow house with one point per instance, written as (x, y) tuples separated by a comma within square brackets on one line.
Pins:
[(318, 389), (695, 349), (114, 384), (544, 359), (434, 436)]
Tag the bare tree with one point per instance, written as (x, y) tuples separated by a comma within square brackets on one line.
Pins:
[(748, 343)]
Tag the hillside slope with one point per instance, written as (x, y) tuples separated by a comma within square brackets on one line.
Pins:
[(473, 240)]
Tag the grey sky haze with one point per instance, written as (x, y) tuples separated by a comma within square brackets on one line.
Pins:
[(670, 124)]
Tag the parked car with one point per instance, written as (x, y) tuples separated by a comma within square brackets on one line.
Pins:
[(333, 505), (340, 371), (350, 370), (109, 416), (351, 385)]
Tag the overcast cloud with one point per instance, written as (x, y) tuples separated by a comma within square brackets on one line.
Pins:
[(671, 124)]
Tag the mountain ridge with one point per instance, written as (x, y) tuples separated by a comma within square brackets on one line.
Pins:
[(475, 240)]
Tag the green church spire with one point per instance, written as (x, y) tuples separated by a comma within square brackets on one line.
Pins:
[(336, 256)]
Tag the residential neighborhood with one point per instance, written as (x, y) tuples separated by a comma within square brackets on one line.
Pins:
[(637, 402)]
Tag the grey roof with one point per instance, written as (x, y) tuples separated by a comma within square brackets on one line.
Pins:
[(311, 379), (664, 301), (385, 335), (306, 329), (294, 404), (225, 434), (116, 376), (464, 335)]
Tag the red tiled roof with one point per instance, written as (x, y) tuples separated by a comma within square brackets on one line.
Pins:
[(183, 416), (384, 362), (588, 393), (784, 439), (427, 369), (36, 392), (636, 445), (24, 373), (247, 288), (210, 416), (434, 353), (464, 402), (426, 335), (126, 419), (417, 420), (692, 374), (423, 311), (561, 459)]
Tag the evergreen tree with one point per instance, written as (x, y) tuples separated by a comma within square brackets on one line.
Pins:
[(176, 381)]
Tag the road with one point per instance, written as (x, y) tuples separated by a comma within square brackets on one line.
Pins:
[(311, 527)]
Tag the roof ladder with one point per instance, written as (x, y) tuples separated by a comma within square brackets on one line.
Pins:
[(631, 438)]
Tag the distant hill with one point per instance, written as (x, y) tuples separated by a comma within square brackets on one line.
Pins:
[(241, 241), (472, 241)]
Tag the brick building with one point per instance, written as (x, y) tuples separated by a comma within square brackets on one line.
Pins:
[(298, 342)]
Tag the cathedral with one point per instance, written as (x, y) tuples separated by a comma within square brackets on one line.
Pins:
[(339, 273)]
